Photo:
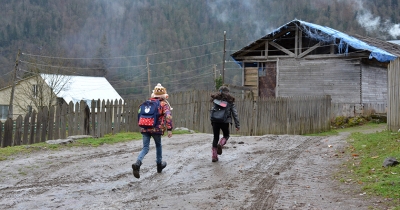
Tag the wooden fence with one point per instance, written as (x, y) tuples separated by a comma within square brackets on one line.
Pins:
[(356, 109), (293, 115)]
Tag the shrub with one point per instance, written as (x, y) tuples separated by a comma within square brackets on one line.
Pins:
[(357, 121), (339, 121)]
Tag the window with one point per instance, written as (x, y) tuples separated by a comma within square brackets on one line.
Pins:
[(35, 91), (262, 70), (3, 112)]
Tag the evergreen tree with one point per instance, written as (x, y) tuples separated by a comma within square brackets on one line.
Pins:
[(102, 57)]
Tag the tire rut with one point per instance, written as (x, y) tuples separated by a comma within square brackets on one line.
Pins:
[(264, 198)]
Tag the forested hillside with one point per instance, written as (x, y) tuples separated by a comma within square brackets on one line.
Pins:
[(179, 41)]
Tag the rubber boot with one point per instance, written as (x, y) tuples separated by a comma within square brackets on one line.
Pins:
[(214, 155), (221, 143), (136, 168), (161, 166)]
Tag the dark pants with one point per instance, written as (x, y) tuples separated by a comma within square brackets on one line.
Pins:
[(216, 128)]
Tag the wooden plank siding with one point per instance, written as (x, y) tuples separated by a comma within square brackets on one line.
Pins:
[(337, 78), (251, 79), (289, 115), (374, 84), (393, 115)]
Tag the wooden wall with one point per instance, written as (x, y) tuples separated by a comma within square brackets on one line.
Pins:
[(338, 78), (374, 84)]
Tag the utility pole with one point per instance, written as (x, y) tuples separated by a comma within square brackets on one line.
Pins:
[(14, 76), (215, 72), (148, 75), (223, 60), (215, 75)]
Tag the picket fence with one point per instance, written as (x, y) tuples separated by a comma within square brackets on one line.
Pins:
[(292, 115)]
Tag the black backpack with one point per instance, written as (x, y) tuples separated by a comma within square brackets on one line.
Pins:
[(220, 111)]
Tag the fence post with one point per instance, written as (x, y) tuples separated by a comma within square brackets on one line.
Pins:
[(93, 117), (8, 133), (38, 126), (64, 121), (98, 114), (1, 135), (71, 127), (45, 113), (51, 123), (103, 118), (86, 120), (32, 133), (57, 121), (76, 120), (18, 131)]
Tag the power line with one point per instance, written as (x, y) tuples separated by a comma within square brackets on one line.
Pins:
[(118, 67), (133, 56)]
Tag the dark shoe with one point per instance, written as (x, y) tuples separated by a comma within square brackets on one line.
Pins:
[(221, 143), (214, 157), (161, 166), (136, 168), (219, 149)]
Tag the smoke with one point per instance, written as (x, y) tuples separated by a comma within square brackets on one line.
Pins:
[(373, 23), (255, 17), (245, 12), (394, 30), (368, 21)]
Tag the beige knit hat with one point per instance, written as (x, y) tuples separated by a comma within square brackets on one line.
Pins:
[(159, 92)]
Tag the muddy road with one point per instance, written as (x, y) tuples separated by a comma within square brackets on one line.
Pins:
[(254, 172)]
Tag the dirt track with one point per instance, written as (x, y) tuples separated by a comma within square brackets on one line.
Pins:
[(262, 172)]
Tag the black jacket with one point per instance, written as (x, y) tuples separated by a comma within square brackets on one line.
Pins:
[(232, 107)]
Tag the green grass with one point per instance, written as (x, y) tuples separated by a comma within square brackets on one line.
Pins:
[(368, 147), (367, 151), (8, 152), (108, 139), (366, 127), (327, 133)]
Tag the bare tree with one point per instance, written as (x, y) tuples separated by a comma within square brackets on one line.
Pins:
[(43, 81), (39, 91)]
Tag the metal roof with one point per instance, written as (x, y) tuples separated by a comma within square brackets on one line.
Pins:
[(85, 88)]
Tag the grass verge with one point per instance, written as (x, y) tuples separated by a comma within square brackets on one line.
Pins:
[(7, 152), (369, 146), (365, 167)]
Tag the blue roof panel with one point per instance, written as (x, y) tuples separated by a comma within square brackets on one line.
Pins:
[(346, 40), (342, 40)]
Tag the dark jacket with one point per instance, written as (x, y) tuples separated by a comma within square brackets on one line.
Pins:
[(232, 107)]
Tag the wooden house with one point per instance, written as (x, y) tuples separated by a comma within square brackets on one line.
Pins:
[(303, 59)]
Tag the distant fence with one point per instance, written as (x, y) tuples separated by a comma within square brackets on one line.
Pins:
[(354, 109), (292, 115)]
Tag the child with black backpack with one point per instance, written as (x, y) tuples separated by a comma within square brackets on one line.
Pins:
[(154, 117), (221, 116)]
